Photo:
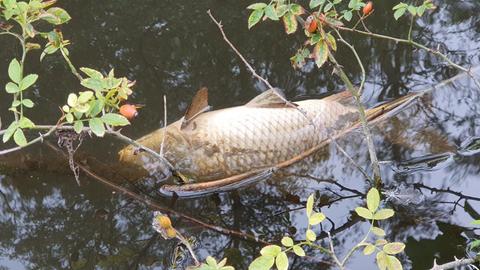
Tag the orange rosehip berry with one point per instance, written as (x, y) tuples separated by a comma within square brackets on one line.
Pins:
[(311, 24), (129, 111), (368, 8)]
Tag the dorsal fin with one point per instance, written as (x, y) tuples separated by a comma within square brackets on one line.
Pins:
[(199, 105), (273, 97)]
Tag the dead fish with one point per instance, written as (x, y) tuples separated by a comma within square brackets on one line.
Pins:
[(222, 147)]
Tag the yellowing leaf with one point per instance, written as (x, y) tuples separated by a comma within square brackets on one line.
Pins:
[(281, 261), (383, 214), (309, 207), (270, 250), (394, 248), (320, 53), (19, 137), (290, 22), (255, 17), (394, 263), (373, 200), (381, 242), (316, 218), (382, 260), (298, 250), (369, 249), (287, 241), (377, 231), (310, 235), (262, 263), (364, 212)]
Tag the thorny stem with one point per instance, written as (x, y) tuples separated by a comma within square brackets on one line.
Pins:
[(455, 264), (363, 119), (418, 45)]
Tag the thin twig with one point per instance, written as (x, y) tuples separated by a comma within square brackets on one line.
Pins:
[(164, 124), (454, 264), (219, 24), (155, 205), (365, 174), (332, 250)]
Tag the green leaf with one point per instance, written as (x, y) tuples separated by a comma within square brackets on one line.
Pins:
[(296, 9), (383, 214), (394, 263), (69, 117), (16, 103), (298, 250), (19, 137), (315, 38), (60, 16), (85, 96), (309, 207), (97, 127), (364, 212), (373, 200), (382, 260), (421, 10), (316, 218), (381, 242), (287, 241), (412, 10), (332, 42), (96, 107), (290, 23), (473, 245), (255, 17), (281, 261), (399, 13), (9, 132), (315, 3), (400, 5), (475, 222), (348, 15), (320, 53), (328, 7), (92, 73), (270, 250), (262, 263), (15, 71), (281, 10), (377, 231), (114, 119), (256, 6), (28, 81), (369, 249), (25, 123), (28, 103), (394, 248), (310, 235), (271, 13), (211, 261), (92, 83), (78, 126), (12, 88)]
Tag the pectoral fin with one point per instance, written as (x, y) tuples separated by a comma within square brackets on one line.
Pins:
[(198, 106)]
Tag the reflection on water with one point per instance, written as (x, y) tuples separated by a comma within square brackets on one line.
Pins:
[(171, 47)]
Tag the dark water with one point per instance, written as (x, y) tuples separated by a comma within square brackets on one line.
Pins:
[(172, 48)]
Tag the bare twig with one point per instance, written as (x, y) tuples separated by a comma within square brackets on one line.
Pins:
[(362, 171), (454, 264), (260, 78), (164, 124), (149, 202), (332, 250)]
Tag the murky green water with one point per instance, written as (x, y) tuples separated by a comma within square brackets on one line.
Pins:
[(172, 48)]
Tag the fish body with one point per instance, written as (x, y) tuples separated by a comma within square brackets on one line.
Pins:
[(260, 134)]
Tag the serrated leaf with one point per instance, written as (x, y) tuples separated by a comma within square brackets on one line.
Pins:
[(394, 248), (348, 15), (400, 5), (270, 250), (96, 107), (28, 81), (262, 263), (364, 212), (114, 119), (378, 231), (310, 235), (383, 214), (369, 249), (92, 83), (281, 261), (290, 23), (9, 132), (255, 17), (78, 126), (19, 137), (309, 206), (320, 53), (11, 88), (257, 6), (287, 241), (271, 13), (298, 250), (373, 200), (316, 218), (97, 127), (15, 71)]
